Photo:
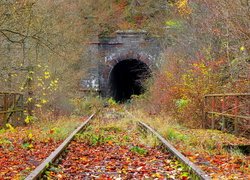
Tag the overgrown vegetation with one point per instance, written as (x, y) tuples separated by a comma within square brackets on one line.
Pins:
[(205, 54), (88, 105), (44, 54), (23, 148), (204, 147), (112, 148), (207, 50)]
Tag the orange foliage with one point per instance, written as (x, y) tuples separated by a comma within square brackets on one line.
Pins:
[(122, 5), (183, 7), (180, 91), (125, 25)]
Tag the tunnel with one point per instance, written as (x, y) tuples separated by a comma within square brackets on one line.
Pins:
[(127, 78)]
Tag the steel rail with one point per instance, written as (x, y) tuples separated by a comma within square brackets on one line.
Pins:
[(227, 94), (13, 93), (11, 111), (194, 170), (36, 174), (229, 115), (191, 166)]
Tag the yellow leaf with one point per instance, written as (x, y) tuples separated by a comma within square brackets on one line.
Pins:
[(28, 119), (44, 101), (46, 75), (39, 84), (30, 135), (242, 48), (156, 175), (183, 7), (29, 99), (9, 126), (38, 105), (30, 146)]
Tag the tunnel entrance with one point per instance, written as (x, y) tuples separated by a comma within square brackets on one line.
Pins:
[(127, 78)]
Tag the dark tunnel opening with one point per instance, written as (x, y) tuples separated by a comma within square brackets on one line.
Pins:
[(127, 78)]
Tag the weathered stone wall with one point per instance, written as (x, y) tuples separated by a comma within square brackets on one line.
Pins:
[(110, 50)]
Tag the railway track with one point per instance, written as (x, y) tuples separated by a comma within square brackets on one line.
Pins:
[(116, 148)]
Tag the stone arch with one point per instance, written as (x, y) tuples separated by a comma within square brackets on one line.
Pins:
[(124, 45), (127, 74), (113, 59)]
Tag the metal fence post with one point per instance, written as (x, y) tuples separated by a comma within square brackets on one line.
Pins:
[(22, 106), (5, 107), (223, 110), (236, 110), (213, 106), (204, 112)]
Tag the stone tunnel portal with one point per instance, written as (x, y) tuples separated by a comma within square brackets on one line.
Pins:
[(127, 78)]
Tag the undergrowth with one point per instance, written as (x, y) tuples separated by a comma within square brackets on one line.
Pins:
[(45, 130), (202, 146), (200, 139)]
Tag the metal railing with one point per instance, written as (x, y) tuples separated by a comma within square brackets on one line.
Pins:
[(227, 112), (10, 103)]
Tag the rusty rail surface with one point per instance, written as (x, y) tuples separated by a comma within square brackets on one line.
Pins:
[(227, 112), (37, 173), (10, 103), (191, 167)]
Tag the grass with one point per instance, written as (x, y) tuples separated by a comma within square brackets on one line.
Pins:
[(56, 130), (174, 135), (203, 146), (199, 143), (110, 128), (149, 140), (87, 105), (138, 150), (105, 130), (102, 132), (5, 142), (36, 140), (93, 139), (37, 132), (201, 139)]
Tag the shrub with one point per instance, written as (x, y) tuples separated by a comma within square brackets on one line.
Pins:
[(180, 91)]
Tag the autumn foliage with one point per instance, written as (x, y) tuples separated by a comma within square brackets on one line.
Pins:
[(181, 91), (205, 54)]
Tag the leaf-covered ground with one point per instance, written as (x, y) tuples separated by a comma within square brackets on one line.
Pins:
[(115, 150), (205, 148), (213, 158), (24, 148), (17, 161), (114, 146)]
